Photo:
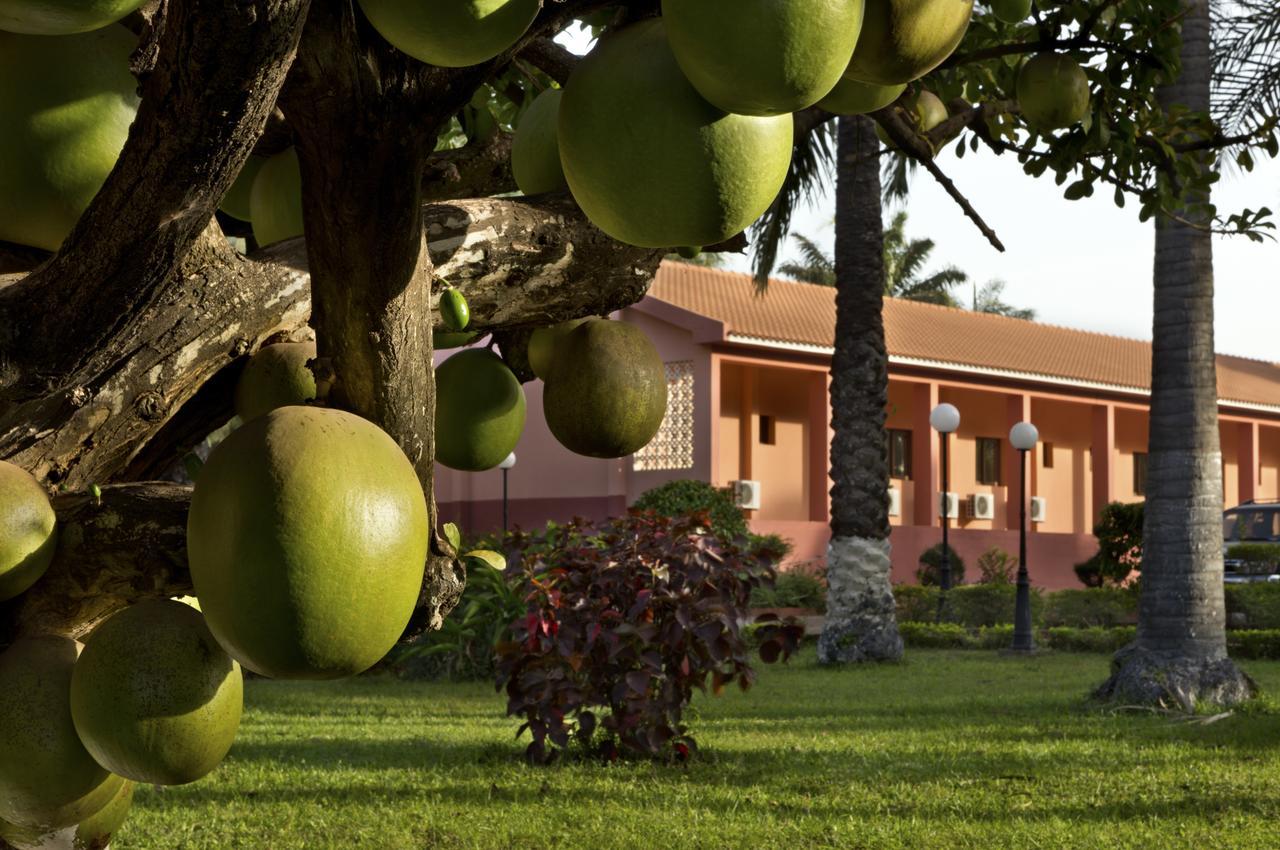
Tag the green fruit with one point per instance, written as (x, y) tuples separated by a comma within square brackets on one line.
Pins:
[(607, 392), (1011, 11), (277, 376), (763, 57), (62, 17), (480, 410), (153, 696), (543, 343), (307, 541), (925, 111), (1053, 91), (653, 164), (92, 833), (441, 340), (535, 152), (28, 531), (66, 104), (275, 201), (902, 40), (851, 97), (451, 33), (236, 202), (690, 252), (48, 780), (454, 310)]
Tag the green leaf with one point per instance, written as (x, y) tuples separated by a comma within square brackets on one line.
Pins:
[(1077, 190), (488, 557), (453, 535)]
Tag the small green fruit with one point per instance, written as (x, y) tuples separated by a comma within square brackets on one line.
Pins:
[(28, 532), (275, 201), (1011, 11), (236, 202), (1053, 91), (851, 97), (902, 40), (543, 343), (277, 376), (690, 252), (535, 151), (480, 410), (454, 310), (451, 33)]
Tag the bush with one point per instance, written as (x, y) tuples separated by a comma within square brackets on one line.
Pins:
[(1095, 639), (689, 498), (1255, 558), (792, 590), (629, 626), (915, 603), (1258, 602), (935, 635), (1254, 643), (1082, 609), (1119, 533), (977, 605), (996, 566), (774, 548), (930, 572), (952, 636)]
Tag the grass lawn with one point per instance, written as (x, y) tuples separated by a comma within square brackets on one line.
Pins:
[(951, 749)]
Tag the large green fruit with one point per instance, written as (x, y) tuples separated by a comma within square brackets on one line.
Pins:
[(451, 33), (902, 40), (66, 104), (535, 152), (236, 202), (440, 340), (275, 201), (153, 696), (607, 392), (652, 163), (1053, 91), (277, 376), (62, 17), (763, 57), (48, 780), (543, 343), (28, 533), (307, 541), (1012, 11), (92, 833), (851, 97), (480, 410)]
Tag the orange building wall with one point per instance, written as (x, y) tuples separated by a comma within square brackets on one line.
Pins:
[(1131, 437), (982, 414), (1269, 455), (1066, 487), (1227, 436), (901, 416)]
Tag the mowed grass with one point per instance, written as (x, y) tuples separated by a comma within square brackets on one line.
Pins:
[(950, 749)]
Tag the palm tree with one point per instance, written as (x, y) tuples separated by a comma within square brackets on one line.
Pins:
[(1180, 655), (814, 266), (989, 299)]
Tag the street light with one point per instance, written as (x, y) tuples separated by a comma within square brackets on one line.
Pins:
[(1023, 436), (945, 419), (507, 462)]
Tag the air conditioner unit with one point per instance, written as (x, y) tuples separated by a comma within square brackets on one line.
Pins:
[(746, 495), (949, 505), (895, 502), (982, 506), (1039, 509)]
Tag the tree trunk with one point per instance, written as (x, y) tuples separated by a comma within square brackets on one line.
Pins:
[(861, 622), (1179, 658)]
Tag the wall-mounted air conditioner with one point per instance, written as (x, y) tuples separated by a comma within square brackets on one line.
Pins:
[(1039, 509), (949, 505), (982, 506), (895, 502), (746, 495)]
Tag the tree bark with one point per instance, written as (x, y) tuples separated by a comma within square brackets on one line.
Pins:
[(861, 623), (1179, 658)]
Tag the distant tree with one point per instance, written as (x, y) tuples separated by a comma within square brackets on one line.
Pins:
[(987, 299), (814, 265)]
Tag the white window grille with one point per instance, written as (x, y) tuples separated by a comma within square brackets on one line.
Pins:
[(672, 446)]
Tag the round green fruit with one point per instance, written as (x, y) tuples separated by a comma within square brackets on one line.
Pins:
[(929, 111), (1011, 11), (480, 410), (92, 833), (277, 376), (543, 343), (66, 104), (48, 780), (652, 163), (451, 33), (236, 202), (307, 541), (454, 310), (535, 151), (1053, 91), (607, 391), (153, 696), (440, 340), (28, 531), (763, 57), (62, 17), (851, 97), (689, 252), (902, 40), (275, 201)]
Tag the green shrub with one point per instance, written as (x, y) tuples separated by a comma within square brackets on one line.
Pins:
[(1254, 643), (686, 498), (792, 590), (774, 548), (1094, 639), (936, 636), (1255, 558), (1119, 533), (977, 605), (1096, 606), (930, 572), (996, 566), (1258, 602), (915, 603)]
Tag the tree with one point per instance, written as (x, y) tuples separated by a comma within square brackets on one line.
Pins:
[(988, 300), (1180, 654), (814, 266)]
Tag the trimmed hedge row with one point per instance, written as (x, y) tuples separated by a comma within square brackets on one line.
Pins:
[(976, 606), (1242, 643)]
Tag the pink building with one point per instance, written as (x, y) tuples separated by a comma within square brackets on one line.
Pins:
[(748, 381)]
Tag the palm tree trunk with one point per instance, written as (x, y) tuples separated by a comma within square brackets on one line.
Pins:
[(861, 624), (1179, 658)]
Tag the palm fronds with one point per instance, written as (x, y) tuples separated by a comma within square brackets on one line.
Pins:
[(1247, 63)]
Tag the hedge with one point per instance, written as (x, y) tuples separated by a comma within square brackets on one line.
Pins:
[(1243, 643)]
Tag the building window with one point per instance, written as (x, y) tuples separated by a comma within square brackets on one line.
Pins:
[(768, 430), (1140, 473), (898, 449), (988, 460), (1048, 455), (672, 446)]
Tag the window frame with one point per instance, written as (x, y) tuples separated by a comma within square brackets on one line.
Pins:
[(902, 451), (981, 446)]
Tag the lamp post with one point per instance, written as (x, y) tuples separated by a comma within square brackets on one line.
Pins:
[(507, 462), (1023, 436), (945, 419)]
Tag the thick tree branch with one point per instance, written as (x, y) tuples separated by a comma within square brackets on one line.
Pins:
[(477, 170), (550, 57)]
